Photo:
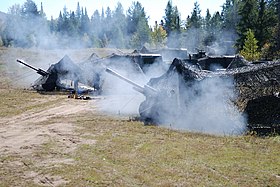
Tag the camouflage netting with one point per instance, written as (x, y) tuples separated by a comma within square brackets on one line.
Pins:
[(257, 87), (65, 69)]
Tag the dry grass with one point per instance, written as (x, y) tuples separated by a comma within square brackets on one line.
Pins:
[(113, 151), (16, 101), (127, 153)]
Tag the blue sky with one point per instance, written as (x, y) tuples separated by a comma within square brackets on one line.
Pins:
[(154, 8)]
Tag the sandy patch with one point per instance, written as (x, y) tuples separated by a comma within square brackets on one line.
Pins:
[(24, 135)]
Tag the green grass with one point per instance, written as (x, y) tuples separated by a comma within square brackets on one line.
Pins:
[(16, 101), (127, 153), (130, 154)]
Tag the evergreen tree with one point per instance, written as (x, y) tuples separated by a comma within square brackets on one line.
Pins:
[(195, 20), (216, 25), (72, 27), (119, 18), (230, 15), (209, 38), (85, 24), (177, 20), (172, 19), (102, 15), (142, 34), (172, 25), (248, 12), (194, 34), (134, 14), (59, 22), (278, 26), (29, 10), (119, 27), (108, 23), (138, 26), (168, 17), (96, 29), (42, 13), (250, 48), (265, 22), (78, 11), (208, 21), (25, 25), (213, 27), (273, 44), (52, 25)]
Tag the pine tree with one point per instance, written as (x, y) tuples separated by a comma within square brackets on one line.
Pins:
[(248, 12), (172, 21), (168, 17), (96, 22), (108, 23), (273, 44), (213, 27), (250, 48), (208, 21), (78, 11), (84, 24), (134, 14), (138, 27), (72, 27), (59, 22), (209, 38), (42, 13), (278, 26), (52, 25), (194, 34), (119, 27), (230, 15), (195, 20), (29, 10), (266, 22)]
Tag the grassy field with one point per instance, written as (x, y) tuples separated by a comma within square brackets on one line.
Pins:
[(88, 148)]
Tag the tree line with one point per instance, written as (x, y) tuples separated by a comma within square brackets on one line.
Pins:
[(248, 27)]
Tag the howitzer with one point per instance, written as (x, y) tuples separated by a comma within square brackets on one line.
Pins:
[(38, 70), (146, 89)]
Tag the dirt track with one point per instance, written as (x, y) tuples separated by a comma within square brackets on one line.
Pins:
[(23, 135)]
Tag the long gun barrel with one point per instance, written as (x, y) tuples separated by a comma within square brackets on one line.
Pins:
[(137, 87), (38, 70)]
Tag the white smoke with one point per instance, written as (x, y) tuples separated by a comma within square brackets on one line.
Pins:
[(118, 97), (207, 107)]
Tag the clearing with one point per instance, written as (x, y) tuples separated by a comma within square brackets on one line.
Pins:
[(50, 140)]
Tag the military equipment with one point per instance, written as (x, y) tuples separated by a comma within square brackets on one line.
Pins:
[(52, 79), (257, 86), (146, 89), (206, 62), (38, 70)]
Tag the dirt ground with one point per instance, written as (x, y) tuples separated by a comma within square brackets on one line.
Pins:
[(21, 136)]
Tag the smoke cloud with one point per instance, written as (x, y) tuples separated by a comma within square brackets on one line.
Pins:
[(118, 97), (210, 109), (200, 106)]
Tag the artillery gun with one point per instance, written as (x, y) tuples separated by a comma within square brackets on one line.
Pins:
[(257, 87), (51, 79), (38, 70)]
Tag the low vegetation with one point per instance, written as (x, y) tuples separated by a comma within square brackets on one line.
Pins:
[(88, 148), (117, 151)]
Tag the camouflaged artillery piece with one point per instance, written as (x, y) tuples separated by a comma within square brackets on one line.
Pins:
[(52, 78), (256, 86)]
